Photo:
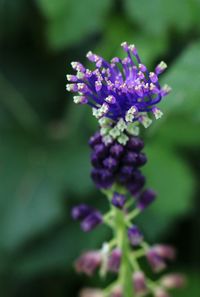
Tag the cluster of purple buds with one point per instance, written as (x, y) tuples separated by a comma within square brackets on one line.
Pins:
[(88, 216), (116, 163)]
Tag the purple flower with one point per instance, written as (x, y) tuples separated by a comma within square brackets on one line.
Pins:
[(139, 283), (81, 211), (118, 200), (145, 199), (91, 221), (88, 262), (122, 89), (135, 236), (114, 260)]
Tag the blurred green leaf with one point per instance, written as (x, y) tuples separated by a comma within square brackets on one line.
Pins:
[(158, 16), (184, 76), (61, 249), (69, 22), (176, 131), (35, 174), (173, 181)]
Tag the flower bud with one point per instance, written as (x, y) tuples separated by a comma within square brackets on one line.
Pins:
[(145, 199), (135, 236), (118, 200), (171, 281), (91, 221), (114, 260), (88, 262), (139, 283)]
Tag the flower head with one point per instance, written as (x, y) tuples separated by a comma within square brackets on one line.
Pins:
[(122, 90)]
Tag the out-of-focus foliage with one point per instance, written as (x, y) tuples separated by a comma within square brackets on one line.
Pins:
[(44, 157)]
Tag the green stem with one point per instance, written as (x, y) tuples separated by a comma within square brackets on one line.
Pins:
[(125, 273)]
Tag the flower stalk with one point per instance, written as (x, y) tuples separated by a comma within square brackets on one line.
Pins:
[(123, 95)]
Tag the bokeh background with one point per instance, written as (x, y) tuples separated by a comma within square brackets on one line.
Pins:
[(44, 157)]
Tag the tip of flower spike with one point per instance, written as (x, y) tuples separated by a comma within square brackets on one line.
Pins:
[(160, 68), (124, 45)]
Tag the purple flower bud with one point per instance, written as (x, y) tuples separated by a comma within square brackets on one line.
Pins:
[(159, 292), (156, 262), (110, 163), (135, 236), (139, 283), (174, 280), (136, 183), (91, 221), (118, 200), (102, 178), (145, 199), (130, 158), (88, 262), (114, 260), (141, 159), (100, 150), (95, 139), (135, 144), (96, 162), (81, 211), (116, 150), (165, 251)]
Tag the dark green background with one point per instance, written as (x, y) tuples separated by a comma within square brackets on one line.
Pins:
[(44, 157)]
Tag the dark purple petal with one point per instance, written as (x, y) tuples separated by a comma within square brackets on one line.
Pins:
[(95, 139), (110, 163), (102, 178), (116, 150), (91, 221), (81, 211), (145, 199), (135, 144), (135, 236), (118, 200)]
